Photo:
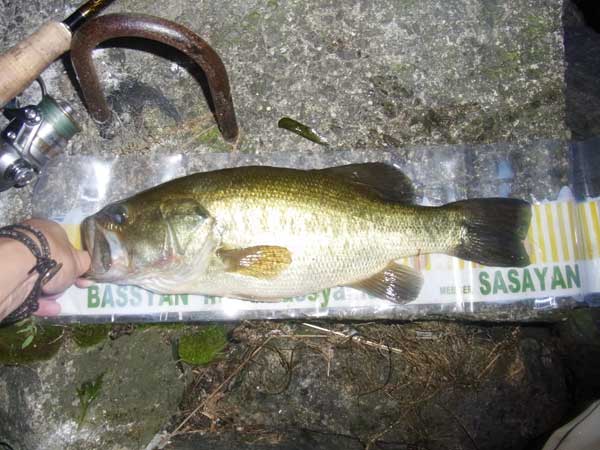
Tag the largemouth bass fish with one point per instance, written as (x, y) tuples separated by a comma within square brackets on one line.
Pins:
[(266, 233)]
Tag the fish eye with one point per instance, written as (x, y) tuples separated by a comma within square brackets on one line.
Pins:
[(117, 214)]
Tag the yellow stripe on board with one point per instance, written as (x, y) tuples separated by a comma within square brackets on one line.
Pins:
[(427, 262), (577, 251), (564, 239), (551, 232), (532, 244), (540, 231), (587, 238), (74, 234), (596, 226), (461, 264)]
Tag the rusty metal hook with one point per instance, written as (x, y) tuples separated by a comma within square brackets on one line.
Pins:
[(170, 33)]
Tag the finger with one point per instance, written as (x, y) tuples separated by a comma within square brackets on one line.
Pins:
[(52, 297), (82, 262), (4, 311), (58, 284), (65, 277), (83, 283), (47, 308)]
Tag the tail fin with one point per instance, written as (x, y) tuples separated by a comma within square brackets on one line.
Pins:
[(495, 229)]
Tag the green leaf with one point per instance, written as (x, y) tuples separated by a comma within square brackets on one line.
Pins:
[(87, 393), (27, 342), (302, 130)]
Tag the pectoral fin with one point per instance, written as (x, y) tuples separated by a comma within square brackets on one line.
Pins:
[(263, 261), (396, 283)]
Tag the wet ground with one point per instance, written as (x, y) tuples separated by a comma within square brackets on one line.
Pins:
[(386, 76), (281, 385)]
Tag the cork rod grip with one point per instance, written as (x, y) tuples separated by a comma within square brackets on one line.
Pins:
[(23, 63)]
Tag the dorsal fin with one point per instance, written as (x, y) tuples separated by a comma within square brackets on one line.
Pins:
[(385, 180)]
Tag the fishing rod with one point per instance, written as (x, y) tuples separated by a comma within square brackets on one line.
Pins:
[(24, 62), (36, 133)]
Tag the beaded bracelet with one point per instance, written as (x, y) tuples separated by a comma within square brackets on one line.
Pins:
[(45, 266)]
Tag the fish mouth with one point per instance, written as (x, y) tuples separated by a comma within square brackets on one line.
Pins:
[(109, 259)]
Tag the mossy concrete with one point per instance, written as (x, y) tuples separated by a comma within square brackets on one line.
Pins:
[(89, 335), (142, 385), (46, 342), (203, 346)]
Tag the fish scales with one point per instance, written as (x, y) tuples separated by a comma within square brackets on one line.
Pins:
[(305, 230), (335, 232)]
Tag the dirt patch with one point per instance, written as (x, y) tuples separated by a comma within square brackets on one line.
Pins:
[(431, 385)]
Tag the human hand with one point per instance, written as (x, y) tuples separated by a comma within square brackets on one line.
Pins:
[(74, 264)]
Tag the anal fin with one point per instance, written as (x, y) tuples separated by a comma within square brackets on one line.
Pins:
[(396, 283), (261, 261)]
